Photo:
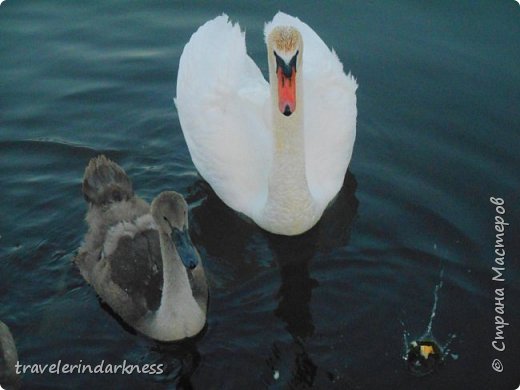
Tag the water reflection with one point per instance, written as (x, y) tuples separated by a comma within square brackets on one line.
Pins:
[(225, 235), (293, 255), (243, 249), (179, 359)]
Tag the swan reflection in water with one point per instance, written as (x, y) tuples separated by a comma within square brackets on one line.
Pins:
[(243, 249)]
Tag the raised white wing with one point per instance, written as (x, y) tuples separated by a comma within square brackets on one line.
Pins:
[(329, 112), (223, 105)]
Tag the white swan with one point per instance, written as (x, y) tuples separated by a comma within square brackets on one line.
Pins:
[(277, 153), (140, 260), (9, 378)]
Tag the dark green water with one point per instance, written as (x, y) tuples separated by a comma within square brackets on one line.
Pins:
[(438, 134)]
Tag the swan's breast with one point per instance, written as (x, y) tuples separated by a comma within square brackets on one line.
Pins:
[(289, 214)]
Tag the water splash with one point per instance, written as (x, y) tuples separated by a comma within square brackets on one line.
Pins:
[(434, 308), (428, 337)]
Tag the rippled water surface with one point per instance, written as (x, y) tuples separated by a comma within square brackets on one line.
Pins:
[(438, 134)]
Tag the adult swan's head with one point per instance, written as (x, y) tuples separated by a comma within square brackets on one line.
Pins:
[(285, 51), (277, 153)]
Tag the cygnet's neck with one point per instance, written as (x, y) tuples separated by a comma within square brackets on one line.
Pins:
[(179, 315), (175, 276)]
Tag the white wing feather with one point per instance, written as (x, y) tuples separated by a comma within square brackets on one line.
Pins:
[(329, 112), (223, 105)]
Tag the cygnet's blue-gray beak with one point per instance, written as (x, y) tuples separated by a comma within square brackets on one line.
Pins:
[(185, 248)]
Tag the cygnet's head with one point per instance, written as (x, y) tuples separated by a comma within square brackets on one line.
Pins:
[(170, 212)]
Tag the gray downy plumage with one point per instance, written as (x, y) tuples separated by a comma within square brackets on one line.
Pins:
[(122, 257)]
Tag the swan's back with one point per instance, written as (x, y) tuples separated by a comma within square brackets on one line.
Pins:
[(121, 255)]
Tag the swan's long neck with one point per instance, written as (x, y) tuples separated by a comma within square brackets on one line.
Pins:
[(287, 179), (178, 315), (290, 207)]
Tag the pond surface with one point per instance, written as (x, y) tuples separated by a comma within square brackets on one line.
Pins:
[(438, 134)]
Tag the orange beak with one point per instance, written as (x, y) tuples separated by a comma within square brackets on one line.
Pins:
[(286, 74), (286, 91)]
